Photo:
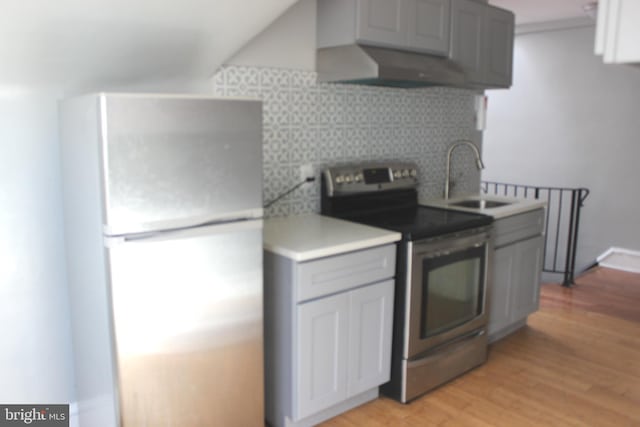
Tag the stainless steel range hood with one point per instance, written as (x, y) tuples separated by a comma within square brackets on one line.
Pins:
[(368, 65)]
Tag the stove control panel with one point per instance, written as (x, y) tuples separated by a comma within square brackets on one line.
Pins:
[(369, 177)]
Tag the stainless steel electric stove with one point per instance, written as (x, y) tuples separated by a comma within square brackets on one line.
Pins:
[(442, 272)]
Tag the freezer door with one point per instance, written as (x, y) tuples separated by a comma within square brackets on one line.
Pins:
[(187, 314), (171, 162)]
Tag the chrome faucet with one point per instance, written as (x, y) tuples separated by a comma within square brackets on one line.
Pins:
[(479, 163)]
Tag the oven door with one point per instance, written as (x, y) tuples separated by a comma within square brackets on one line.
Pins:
[(447, 296)]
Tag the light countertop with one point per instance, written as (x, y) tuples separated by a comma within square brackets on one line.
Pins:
[(514, 206), (311, 236)]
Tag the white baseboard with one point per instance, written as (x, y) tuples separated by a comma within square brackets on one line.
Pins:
[(620, 259), (73, 415), (97, 411)]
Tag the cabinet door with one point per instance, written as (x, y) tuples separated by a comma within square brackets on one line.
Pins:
[(467, 26), (504, 266), (428, 25), (622, 31), (526, 292), (382, 22), (498, 59), (322, 354), (370, 329)]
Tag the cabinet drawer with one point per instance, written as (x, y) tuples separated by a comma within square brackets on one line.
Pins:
[(518, 227), (337, 273)]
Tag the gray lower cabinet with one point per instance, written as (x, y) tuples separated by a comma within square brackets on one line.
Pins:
[(517, 266), (328, 327), (370, 329), (323, 337)]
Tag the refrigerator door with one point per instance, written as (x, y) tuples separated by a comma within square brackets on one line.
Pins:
[(187, 314), (174, 161)]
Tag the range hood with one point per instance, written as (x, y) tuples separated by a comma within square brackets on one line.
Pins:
[(368, 65)]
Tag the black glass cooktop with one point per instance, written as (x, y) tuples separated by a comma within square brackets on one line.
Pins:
[(419, 222)]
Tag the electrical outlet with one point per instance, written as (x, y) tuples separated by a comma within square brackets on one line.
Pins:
[(306, 171)]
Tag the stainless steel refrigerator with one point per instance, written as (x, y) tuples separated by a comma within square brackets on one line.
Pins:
[(163, 235)]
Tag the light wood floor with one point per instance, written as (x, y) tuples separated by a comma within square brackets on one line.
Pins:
[(576, 363)]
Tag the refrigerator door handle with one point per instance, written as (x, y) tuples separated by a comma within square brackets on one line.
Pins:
[(220, 228), (191, 222)]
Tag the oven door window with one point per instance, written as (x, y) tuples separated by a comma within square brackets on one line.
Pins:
[(452, 290)]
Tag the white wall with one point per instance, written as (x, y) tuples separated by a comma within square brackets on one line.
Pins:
[(571, 121), (84, 44), (288, 43), (35, 353), (47, 51)]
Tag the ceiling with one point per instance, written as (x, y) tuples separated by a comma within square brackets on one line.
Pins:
[(87, 44), (530, 11)]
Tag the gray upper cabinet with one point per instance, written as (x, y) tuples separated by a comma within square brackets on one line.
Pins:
[(428, 26), (382, 22), (477, 36), (482, 42), (416, 25), (499, 44), (467, 27)]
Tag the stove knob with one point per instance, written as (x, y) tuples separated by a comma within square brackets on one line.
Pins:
[(358, 178), (414, 173), (397, 174), (348, 179), (405, 173), (339, 179)]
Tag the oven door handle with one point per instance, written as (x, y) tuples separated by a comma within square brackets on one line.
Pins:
[(437, 248), (436, 254)]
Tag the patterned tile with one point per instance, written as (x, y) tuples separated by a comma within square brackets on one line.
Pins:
[(327, 124)]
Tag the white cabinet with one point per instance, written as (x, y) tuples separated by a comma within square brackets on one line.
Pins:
[(517, 267), (482, 42), (617, 31), (328, 330), (417, 25)]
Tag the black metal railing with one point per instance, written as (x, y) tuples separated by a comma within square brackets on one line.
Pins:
[(561, 225)]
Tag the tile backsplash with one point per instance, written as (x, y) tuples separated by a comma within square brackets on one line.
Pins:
[(322, 124)]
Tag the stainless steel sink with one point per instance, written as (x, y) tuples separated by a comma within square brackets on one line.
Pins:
[(479, 204)]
